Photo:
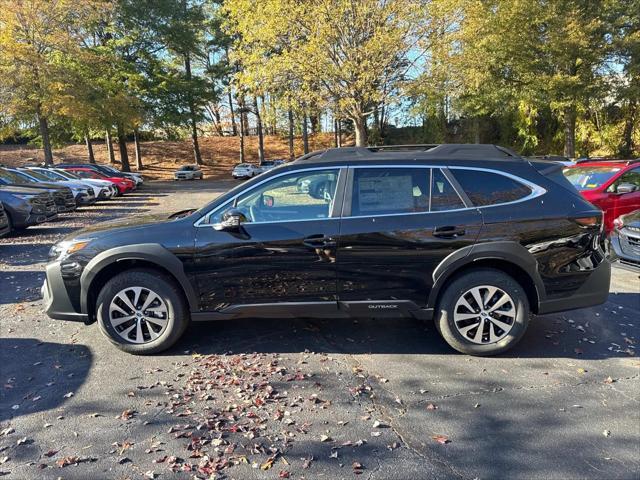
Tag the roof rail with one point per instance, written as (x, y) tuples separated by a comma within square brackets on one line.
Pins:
[(602, 159)]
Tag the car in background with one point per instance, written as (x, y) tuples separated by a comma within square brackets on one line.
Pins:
[(5, 227), (188, 172), (267, 165), (62, 195), (245, 170), (124, 185), (106, 170), (25, 207), (104, 188), (611, 185), (625, 240), (55, 175), (83, 194)]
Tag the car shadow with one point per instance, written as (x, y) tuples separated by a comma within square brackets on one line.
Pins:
[(548, 336), (37, 375)]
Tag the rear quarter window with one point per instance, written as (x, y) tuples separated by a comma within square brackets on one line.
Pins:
[(487, 188)]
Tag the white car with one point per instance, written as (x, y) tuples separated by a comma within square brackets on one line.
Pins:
[(104, 188), (188, 172), (245, 170), (267, 165)]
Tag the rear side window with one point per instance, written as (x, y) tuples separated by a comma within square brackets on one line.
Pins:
[(380, 191), (486, 188)]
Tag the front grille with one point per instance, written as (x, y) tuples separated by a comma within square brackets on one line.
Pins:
[(91, 192), (3, 218), (630, 243)]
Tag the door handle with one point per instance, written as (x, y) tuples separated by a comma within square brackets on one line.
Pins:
[(319, 241), (448, 231)]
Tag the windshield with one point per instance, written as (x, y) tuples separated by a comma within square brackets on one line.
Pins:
[(588, 178), (24, 176), (37, 175), (65, 174), (51, 175)]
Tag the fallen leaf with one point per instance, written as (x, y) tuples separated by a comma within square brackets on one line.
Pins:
[(431, 406), (607, 433), (66, 461), (609, 380), (283, 474), (68, 395), (442, 439), (325, 438)]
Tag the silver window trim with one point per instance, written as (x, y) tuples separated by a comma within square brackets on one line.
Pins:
[(536, 191)]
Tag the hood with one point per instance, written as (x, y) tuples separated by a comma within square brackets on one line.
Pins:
[(22, 190), (135, 222), (631, 219)]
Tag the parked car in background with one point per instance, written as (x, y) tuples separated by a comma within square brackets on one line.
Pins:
[(245, 170), (25, 207), (267, 165), (123, 184), (106, 170), (62, 195), (53, 175), (611, 185), (104, 188), (5, 227), (625, 240), (188, 172), (81, 193), (473, 237)]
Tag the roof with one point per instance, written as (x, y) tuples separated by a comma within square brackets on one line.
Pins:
[(457, 151), (607, 162)]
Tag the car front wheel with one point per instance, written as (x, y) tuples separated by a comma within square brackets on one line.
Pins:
[(483, 312), (142, 311)]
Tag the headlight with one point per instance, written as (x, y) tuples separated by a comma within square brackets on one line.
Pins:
[(67, 247)]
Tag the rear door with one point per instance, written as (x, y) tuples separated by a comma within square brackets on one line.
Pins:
[(398, 224)]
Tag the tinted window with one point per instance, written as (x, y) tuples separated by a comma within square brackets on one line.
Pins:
[(588, 178), (486, 188), (378, 191), (443, 195)]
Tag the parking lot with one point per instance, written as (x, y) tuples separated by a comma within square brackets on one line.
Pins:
[(305, 398)]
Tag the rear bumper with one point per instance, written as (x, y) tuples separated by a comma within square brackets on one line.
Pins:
[(57, 304), (594, 291)]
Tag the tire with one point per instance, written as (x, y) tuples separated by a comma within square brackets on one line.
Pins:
[(170, 304), (460, 334)]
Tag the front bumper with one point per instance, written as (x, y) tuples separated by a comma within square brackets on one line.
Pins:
[(594, 291), (57, 304), (84, 199)]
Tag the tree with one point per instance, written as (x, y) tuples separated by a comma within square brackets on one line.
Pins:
[(34, 34), (338, 50)]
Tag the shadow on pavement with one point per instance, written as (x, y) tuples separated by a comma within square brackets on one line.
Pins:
[(36, 375)]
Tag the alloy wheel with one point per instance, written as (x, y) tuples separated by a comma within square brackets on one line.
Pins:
[(484, 314), (138, 314)]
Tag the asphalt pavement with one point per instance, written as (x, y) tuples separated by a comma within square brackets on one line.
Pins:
[(300, 398)]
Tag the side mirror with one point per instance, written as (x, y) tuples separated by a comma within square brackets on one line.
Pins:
[(232, 221), (626, 188), (268, 201)]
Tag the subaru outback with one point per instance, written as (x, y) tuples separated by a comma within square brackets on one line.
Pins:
[(473, 237)]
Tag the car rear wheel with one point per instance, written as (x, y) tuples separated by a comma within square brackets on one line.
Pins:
[(142, 312), (483, 312)]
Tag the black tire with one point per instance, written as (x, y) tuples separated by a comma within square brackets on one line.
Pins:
[(456, 289), (166, 288)]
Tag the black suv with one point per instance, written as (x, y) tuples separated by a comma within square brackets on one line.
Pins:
[(472, 236)]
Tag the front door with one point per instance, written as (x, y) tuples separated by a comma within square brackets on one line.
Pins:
[(285, 251), (400, 224)]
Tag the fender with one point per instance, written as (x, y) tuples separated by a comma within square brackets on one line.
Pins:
[(150, 252), (507, 251)]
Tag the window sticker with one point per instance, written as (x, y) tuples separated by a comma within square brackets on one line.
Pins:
[(385, 193)]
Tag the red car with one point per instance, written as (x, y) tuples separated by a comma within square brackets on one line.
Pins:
[(124, 184), (611, 185)]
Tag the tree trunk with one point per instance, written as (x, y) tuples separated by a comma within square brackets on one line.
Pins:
[(122, 144), (629, 125), (314, 119), (192, 112), (339, 133), (335, 133), (259, 128), (87, 141), (109, 142), (291, 152), (305, 134), (136, 142), (476, 130), (360, 127), (570, 132), (234, 127), (46, 141), (242, 129)]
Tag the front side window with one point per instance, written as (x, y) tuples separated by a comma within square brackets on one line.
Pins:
[(487, 188), (297, 196), (632, 177)]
